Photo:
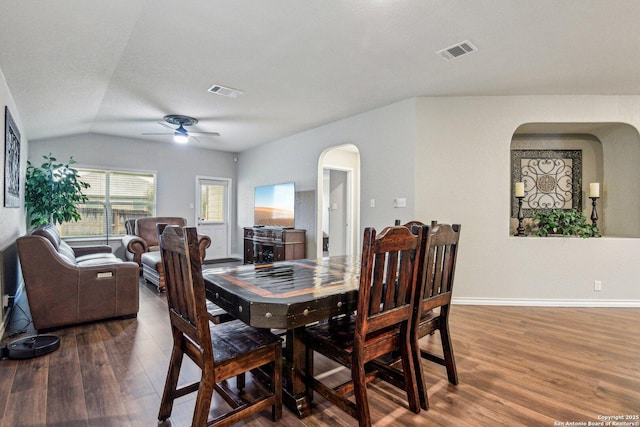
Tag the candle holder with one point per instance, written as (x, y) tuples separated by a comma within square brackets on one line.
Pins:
[(594, 212), (520, 232)]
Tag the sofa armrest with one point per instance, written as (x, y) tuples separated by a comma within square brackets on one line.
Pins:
[(88, 250), (135, 247), (204, 242)]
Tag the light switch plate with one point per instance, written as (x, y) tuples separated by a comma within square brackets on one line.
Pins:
[(400, 202)]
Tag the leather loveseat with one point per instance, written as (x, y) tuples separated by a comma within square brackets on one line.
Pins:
[(66, 285), (142, 246)]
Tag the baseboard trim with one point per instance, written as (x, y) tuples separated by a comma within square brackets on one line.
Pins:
[(530, 302)]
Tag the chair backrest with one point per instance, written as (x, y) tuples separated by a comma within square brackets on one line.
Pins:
[(387, 278), (186, 295), (130, 226), (439, 265), (146, 227)]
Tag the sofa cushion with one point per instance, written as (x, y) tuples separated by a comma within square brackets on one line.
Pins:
[(49, 232), (67, 252), (99, 261), (107, 258), (151, 259)]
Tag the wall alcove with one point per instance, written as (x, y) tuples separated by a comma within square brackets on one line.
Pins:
[(606, 153)]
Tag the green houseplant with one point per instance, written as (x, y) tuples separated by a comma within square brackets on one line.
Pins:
[(566, 222), (52, 192)]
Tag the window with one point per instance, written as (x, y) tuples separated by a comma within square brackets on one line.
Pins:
[(212, 202), (114, 197)]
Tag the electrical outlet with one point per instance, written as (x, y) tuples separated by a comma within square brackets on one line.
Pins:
[(597, 285)]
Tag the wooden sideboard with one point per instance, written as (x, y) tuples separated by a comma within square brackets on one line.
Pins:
[(263, 245)]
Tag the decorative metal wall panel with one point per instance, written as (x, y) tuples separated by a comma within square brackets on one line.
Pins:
[(552, 180)]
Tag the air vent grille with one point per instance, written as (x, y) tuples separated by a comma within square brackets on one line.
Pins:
[(225, 91), (457, 50)]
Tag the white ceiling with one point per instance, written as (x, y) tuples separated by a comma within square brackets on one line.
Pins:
[(117, 67)]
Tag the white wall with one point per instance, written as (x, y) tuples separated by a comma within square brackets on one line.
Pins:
[(463, 145), (12, 220), (176, 166), (385, 138)]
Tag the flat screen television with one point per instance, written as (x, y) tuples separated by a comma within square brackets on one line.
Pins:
[(274, 205)]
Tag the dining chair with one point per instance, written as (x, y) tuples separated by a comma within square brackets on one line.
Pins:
[(221, 351), (433, 297), (432, 309), (216, 314), (381, 324)]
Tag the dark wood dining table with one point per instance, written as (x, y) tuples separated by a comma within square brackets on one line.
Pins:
[(287, 295)]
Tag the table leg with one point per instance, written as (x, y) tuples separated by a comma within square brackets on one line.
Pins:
[(293, 395)]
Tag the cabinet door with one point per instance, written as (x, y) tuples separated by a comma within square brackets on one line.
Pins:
[(248, 252), (279, 253)]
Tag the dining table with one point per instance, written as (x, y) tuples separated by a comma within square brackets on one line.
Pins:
[(287, 296)]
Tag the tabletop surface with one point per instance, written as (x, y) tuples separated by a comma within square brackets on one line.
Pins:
[(285, 294)]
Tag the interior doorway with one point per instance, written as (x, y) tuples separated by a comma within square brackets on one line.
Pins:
[(339, 201)]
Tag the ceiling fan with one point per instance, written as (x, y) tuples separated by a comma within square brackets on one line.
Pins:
[(181, 135)]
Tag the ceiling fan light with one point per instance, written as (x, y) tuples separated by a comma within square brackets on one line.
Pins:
[(180, 137)]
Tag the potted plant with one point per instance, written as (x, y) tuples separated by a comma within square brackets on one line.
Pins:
[(52, 192), (565, 222)]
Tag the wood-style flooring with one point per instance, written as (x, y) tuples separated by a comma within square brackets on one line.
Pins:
[(518, 366)]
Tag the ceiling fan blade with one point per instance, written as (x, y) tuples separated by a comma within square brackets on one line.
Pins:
[(204, 133), (164, 133), (165, 124)]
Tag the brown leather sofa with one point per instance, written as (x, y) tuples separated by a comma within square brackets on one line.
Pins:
[(66, 285), (142, 246)]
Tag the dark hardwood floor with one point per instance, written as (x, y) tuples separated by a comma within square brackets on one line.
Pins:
[(518, 366)]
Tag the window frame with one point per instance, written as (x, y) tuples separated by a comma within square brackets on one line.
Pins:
[(108, 170)]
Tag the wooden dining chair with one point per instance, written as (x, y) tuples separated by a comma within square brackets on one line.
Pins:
[(432, 309), (221, 351), (433, 297), (381, 324)]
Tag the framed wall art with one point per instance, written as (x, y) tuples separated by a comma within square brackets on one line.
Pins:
[(11, 162), (552, 180)]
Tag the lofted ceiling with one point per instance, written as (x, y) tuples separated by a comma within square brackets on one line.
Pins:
[(117, 67)]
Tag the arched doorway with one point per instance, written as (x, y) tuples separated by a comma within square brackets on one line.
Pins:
[(338, 202)]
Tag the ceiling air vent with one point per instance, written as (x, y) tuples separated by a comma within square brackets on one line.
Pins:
[(456, 51), (225, 91)]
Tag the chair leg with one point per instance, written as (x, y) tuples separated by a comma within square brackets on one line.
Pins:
[(360, 392), (203, 401), (171, 383), (308, 373), (410, 376), (447, 351), (419, 375), (276, 384), (241, 381)]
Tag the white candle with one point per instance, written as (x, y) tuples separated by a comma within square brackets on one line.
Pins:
[(594, 189), (519, 189)]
